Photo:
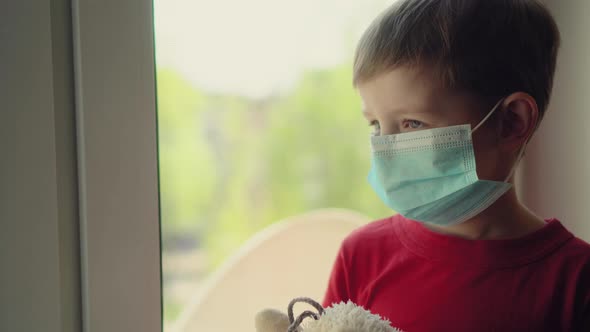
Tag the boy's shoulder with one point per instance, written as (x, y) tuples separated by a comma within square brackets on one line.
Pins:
[(579, 247), (576, 258), (373, 235), (577, 252)]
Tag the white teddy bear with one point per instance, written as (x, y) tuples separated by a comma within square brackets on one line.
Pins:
[(341, 317)]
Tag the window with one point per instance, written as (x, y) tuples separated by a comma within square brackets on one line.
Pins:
[(258, 121)]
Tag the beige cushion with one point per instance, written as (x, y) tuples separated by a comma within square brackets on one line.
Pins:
[(289, 259)]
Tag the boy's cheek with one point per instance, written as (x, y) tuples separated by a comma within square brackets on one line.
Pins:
[(491, 165), (491, 162), (487, 160)]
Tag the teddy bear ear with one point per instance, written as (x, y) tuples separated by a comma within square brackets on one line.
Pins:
[(271, 320)]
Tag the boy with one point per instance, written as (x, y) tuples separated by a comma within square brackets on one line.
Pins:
[(454, 89)]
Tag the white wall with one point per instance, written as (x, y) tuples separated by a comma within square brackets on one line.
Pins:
[(39, 283), (557, 166)]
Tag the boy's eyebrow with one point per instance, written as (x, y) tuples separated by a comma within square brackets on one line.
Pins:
[(404, 111)]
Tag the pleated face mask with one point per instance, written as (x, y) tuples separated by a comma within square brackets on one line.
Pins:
[(430, 175)]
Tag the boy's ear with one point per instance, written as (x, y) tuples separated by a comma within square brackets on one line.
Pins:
[(520, 115)]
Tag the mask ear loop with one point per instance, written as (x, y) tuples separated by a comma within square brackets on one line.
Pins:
[(488, 115), (520, 153), (515, 166), (522, 149)]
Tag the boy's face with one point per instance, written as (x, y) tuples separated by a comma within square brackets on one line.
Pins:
[(412, 98)]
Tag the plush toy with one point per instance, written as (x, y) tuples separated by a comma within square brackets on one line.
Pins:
[(341, 317)]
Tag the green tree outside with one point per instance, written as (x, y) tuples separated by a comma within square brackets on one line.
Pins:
[(230, 166)]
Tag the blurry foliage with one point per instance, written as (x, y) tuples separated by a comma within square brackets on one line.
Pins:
[(230, 166)]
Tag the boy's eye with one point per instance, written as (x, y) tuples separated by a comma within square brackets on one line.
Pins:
[(413, 124), (376, 128)]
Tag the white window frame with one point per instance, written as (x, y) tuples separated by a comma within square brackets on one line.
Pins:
[(117, 165)]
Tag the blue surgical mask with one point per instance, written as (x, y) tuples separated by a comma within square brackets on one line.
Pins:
[(430, 175)]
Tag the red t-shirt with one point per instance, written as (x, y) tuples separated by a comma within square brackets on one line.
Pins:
[(424, 281)]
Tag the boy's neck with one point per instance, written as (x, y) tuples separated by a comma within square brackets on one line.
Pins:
[(506, 218)]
